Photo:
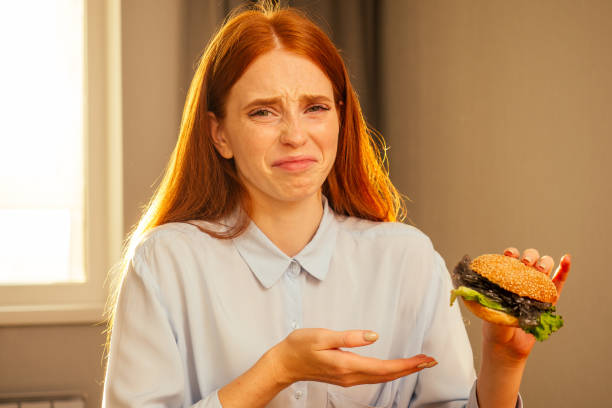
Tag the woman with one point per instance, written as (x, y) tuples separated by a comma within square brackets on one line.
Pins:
[(271, 249)]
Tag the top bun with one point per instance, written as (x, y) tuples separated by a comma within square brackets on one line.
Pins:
[(516, 277)]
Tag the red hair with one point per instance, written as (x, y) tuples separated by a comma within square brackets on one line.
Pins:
[(199, 184)]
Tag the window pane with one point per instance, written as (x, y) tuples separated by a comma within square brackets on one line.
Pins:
[(41, 141)]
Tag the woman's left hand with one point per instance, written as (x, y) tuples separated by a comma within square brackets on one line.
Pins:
[(512, 344)]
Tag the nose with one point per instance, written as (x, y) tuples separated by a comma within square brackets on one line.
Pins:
[(293, 132)]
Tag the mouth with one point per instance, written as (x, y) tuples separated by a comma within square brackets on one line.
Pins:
[(294, 163)]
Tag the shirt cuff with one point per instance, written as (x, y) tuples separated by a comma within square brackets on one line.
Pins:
[(473, 401), (210, 401)]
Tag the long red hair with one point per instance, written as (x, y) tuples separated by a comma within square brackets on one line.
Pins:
[(199, 184)]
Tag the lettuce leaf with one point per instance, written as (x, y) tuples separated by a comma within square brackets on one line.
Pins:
[(471, 294), (549, 323)]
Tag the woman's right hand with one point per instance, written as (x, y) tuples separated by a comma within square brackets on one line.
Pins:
[(315, 355)]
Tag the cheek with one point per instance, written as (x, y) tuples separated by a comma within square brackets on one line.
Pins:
[(331, 148), (329, 142), (251, 146), (248, 157)]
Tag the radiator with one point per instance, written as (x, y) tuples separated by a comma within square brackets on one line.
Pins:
[(43, 400)]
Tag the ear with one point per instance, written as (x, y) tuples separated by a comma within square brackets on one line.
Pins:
[(339, 110), (217, 132)]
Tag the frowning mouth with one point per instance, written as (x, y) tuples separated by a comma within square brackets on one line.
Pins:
[(294, 163)]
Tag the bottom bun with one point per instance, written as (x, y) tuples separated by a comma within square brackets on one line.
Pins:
[(490, 315)]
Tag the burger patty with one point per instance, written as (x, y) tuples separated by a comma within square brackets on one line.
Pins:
[(525, 309)]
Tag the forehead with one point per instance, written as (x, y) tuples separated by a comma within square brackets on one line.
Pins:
[(281, 73)]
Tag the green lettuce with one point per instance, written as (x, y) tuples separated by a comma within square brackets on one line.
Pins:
[(471, 294), (549, 323)]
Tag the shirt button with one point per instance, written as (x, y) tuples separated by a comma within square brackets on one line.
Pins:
[(298, 394), (294, 269), (294, 325)]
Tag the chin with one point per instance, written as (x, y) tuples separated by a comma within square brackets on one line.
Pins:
[(293, 191)]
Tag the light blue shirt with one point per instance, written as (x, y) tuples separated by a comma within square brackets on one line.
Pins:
[(195, 312)]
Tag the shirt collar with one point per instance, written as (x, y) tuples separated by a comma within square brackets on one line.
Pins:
[(268, 263)]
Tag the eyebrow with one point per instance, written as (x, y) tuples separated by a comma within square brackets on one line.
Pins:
[(276, 99)]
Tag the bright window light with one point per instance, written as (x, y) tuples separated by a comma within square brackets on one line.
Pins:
[(41, 141)]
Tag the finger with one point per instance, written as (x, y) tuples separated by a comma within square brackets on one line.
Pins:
[(545, 264), (422, 366), (369, 379), (376, 367), (512, 251), (348, 338), (530, 256), (561, 274)]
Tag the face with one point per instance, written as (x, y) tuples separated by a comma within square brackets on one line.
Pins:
[(281, 127)]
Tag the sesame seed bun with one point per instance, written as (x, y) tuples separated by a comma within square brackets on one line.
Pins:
[(493, 316), (513, 275)]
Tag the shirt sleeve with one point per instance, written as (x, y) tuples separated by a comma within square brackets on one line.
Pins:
[(145, 368), (451, 383)]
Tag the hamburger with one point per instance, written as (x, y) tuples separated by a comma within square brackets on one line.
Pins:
[(503, 290)]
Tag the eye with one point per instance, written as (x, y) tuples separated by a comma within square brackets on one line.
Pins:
[(317, 108), (261, 113)]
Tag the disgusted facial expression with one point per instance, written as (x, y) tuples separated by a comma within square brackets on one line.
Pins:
[(281, 128)]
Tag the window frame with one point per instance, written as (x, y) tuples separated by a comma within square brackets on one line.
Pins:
[(61, 303)]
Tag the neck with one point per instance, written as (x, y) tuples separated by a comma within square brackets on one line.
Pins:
[(290, 226)]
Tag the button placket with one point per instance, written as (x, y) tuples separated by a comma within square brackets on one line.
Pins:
[(293, 296)]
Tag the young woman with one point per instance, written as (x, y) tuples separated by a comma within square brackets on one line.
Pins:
[(269, 269)]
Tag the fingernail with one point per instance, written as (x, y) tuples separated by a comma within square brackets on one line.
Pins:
[(527, 261), (370, 336), (427, 364), (508, 253)]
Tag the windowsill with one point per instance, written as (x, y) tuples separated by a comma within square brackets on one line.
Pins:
[(51, 314)]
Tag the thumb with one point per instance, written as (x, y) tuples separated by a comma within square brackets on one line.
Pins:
[(352, 338)]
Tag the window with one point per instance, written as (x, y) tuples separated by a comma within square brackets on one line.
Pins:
[(41, 136), (60, 158)]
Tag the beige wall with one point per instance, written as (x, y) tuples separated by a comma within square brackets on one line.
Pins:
[(496, 117)]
